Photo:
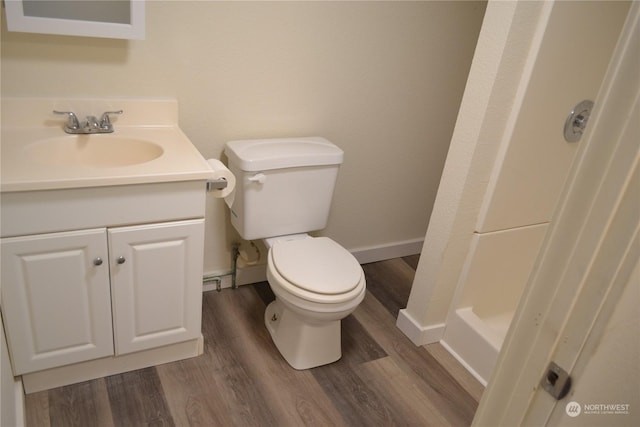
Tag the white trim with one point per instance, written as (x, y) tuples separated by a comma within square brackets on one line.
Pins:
[(18, 21), (244, 276), (476, 345), (258, 273), (98, 368), (418, 334), (368, 254), (468, 367)]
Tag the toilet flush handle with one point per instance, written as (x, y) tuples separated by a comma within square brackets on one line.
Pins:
[(259, 178)]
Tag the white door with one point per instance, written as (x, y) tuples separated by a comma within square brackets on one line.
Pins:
[(606, 374), (156, 282), (586, 269), (56, 302)]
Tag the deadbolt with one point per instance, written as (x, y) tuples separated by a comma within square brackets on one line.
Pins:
[(576, 123)]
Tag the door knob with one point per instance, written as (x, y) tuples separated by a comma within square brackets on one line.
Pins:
[(97, 261), (120, 260)]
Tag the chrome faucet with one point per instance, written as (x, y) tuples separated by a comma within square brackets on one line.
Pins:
[(91, 125)]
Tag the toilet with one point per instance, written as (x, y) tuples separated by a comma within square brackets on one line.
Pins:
[(284, 191)]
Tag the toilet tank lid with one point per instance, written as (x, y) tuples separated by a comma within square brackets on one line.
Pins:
[(263, 154)]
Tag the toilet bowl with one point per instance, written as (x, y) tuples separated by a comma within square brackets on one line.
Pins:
[(317, 283)]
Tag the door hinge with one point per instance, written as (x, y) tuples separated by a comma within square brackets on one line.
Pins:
[(556, 381)]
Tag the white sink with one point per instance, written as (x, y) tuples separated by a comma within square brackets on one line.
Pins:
[(147, 146), (96, 150)]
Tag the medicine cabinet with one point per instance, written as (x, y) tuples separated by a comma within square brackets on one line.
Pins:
[(120, 19)]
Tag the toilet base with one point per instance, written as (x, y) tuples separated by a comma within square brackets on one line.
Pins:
[(303, 344)]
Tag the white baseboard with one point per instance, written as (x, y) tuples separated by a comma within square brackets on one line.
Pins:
[(257, 273), (464, 363), (251, 274), (245, 276), (369, 254), (418, 334), (98, 368)]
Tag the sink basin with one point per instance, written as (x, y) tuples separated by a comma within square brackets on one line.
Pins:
[(146, 147), (95, 150)]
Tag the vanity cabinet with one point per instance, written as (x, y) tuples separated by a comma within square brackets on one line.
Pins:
[(74, 296), (101, 240)]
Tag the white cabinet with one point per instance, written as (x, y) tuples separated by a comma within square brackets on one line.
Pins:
[(74, 296), (156, 284), (56, 303)]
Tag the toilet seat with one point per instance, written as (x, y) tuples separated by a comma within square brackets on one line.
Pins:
[(316, 269)]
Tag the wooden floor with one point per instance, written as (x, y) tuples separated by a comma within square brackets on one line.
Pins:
[(241, 380)]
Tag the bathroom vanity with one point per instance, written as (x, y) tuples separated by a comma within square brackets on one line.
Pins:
[(102, 242)]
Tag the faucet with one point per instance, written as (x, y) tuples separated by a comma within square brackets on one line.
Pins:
[(90, 125)]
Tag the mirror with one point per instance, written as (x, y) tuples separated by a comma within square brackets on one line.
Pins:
[(120, 19)]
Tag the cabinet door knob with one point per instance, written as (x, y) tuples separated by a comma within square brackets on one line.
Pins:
[(97, 261), (120, 260)]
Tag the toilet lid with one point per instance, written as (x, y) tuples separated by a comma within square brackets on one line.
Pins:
[(318, 265)]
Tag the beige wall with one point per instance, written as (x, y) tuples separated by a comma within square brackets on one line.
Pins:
[(383, 80), (526, 77), (498, 66)]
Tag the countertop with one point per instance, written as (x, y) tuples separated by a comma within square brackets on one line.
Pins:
[(27, 121)]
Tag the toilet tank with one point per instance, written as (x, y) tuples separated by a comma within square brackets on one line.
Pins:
[(283, 186)]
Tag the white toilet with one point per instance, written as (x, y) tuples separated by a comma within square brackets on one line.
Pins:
[(284, 190)]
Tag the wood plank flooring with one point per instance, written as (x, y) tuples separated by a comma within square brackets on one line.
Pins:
[(241, 379)]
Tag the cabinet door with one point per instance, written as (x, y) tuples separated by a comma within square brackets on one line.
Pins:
[(56, 302), (156, 284)]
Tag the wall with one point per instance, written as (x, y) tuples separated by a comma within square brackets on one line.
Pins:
[(508, 159), (574, 310), (492, 88), (11, 391), (531, 167), (383, 80)]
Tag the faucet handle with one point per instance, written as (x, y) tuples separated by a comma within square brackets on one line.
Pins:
[(72, 122), (105, 121)]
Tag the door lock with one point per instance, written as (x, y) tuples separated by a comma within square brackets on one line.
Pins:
[(556, 381)]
